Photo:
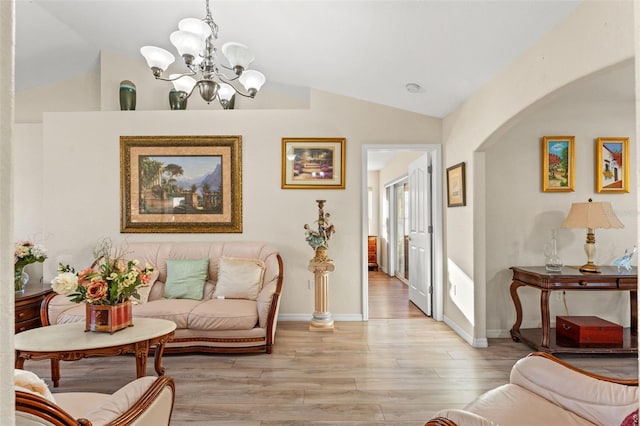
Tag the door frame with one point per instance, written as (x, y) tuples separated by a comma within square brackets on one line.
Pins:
[(436, 211)]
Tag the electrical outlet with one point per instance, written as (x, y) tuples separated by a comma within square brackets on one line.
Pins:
[(310, 284)]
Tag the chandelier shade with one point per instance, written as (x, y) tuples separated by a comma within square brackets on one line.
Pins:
[(195, 42)]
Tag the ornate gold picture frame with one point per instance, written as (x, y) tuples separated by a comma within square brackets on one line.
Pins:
[(181, 184), (313, 163), (558, 164), (612, 165)]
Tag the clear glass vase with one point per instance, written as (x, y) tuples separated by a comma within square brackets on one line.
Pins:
[(20, 279), (552, 262)]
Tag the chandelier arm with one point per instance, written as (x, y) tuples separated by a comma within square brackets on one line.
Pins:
[(229, 81), (176, 78)]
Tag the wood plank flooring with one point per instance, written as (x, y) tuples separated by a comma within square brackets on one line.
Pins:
[(382, 372)]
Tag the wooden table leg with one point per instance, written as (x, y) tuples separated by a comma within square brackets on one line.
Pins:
[(142, 353), (19, 361), (515, 330), (544, 311), (157, 358), (633, 298), (55, 372)]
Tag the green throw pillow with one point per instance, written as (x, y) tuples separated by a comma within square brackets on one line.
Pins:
[(186, 278)]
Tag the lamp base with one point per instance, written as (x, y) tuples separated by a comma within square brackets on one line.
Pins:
[(590, 267)]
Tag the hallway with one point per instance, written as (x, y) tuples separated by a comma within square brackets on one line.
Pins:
[(389, 298)]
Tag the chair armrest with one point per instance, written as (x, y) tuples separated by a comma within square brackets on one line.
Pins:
[(31, 408), (599, 399), (455, 417), (52, 306), (148, 400)]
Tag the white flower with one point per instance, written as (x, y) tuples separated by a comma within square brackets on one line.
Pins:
[(39, 251), (65, 283)]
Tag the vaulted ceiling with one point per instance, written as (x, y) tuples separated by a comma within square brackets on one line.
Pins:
[(365, 49)]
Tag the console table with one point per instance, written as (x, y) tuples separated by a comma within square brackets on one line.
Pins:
[(543, 339)]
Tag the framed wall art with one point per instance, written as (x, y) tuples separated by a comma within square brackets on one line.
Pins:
[(313, 163), (456, 186), (612, 165), (558, 168), (181, 184)]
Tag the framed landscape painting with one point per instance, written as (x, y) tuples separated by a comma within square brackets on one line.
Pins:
[(612, 165), (558, 168), (313, 163), (181, 184)]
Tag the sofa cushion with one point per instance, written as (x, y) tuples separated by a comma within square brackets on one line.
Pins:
[(75, 313), (239, 278), (118, 403), (29, 382), (228, 314), (185, 278), (514, 405), (598, 401), (144, 290), (176, 310)]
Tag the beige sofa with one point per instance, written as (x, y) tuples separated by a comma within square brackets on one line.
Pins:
[(544, 390), (212, 324)]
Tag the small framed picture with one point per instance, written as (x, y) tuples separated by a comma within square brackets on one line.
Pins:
[(313, 163), (612, 165), (456, 186), (558, 168)]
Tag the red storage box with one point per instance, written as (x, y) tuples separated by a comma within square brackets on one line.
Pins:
[(588, 330)]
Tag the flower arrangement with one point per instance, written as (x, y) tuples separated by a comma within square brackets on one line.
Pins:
[(110, 279), (25, 254)]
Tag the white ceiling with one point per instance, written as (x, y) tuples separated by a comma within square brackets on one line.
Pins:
[(365, 49)]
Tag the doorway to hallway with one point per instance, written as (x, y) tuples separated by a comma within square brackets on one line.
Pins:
[(389, 298)]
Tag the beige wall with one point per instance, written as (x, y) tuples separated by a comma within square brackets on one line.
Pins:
[(520, 216), (595, 36), (80, 178)]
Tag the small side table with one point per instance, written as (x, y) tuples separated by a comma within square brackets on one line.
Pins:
[(544, 338), (27, 306)]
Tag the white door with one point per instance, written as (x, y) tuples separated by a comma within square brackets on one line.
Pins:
[(420, 232)]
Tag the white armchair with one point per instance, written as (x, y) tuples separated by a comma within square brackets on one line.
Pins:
[(147, 401)]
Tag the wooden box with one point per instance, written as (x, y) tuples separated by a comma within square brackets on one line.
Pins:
[(588, 330)]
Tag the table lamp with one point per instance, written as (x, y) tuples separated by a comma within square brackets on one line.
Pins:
[(591, 215)]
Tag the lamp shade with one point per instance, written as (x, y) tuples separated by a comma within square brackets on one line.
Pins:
[(591, 215), (225, 92), (196, 26), (252, 80), (157, 57), (184, 83), (237, 54), (187, 43)]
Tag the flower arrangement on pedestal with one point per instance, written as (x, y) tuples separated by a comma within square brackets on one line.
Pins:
[(106, 286), (319, 240), (25, 254)]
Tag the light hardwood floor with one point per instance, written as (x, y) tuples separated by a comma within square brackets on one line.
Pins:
[(382, 372)]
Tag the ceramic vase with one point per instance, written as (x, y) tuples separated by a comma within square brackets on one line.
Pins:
[(175, 102), (127, 95)]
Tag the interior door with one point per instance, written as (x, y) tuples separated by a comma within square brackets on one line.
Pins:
[(420, 234)]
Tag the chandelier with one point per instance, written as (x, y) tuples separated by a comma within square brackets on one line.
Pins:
[(195, 42)]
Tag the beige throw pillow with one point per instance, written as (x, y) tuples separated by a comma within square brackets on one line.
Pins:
[(26, 381), (144, 290), (239, 278)]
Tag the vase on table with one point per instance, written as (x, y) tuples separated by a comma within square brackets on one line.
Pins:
[(20, 279), (108, 318)]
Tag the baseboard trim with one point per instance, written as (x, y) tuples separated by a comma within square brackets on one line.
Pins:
[(475, 342), (498, 334), (308, 317)]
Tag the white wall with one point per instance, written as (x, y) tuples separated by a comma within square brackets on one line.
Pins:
[(520, 216), (81, 183)]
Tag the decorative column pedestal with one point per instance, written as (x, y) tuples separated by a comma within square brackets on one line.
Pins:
[(322, 318)]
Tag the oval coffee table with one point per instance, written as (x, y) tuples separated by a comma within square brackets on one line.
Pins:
[(69, 342)]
